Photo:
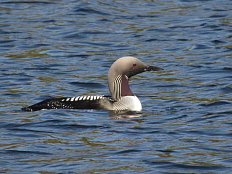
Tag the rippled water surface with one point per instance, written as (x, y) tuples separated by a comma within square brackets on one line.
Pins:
[(64, 48)]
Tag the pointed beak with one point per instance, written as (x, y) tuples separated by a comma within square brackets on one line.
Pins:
[(153, 68), (140, 70)]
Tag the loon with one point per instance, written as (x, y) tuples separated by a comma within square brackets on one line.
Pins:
[(123, 99)]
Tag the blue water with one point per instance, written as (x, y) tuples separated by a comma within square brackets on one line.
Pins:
[(64, 48)]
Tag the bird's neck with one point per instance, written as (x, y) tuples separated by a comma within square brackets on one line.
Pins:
[(120, 88), (125, 89)]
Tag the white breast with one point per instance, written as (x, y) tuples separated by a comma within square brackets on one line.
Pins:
[(131, 103)]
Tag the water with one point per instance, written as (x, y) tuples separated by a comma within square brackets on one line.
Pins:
[(64, 48)]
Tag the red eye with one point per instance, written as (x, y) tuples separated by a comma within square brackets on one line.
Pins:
[(134, 64)]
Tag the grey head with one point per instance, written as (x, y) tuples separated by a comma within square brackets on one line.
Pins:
[(120, 72)]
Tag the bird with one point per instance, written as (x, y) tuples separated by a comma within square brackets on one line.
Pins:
[(122, 98)]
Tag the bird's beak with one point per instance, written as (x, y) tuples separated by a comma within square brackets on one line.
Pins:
[(154, 68)]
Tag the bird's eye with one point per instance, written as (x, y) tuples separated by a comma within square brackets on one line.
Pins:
[(134, 64)]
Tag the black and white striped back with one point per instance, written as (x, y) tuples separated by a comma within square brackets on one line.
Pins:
[(80, 102)]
